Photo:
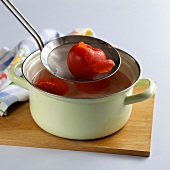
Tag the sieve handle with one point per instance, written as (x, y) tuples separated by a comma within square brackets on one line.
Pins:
[(24, 22)]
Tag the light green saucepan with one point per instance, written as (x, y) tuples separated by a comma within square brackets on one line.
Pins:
[(82, 118)]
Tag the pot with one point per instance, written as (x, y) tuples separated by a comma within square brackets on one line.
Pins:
[(82, 118)]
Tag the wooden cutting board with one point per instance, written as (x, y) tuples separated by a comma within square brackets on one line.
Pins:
[(19, 129)]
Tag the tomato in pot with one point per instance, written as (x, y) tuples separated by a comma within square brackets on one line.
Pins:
[(86, 62), (52, 85)]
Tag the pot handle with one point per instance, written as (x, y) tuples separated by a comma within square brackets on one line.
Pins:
[(149, 92), (15, 78)]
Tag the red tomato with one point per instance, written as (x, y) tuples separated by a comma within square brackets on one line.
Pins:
[(93, 87), (52, 85), (86, 62)]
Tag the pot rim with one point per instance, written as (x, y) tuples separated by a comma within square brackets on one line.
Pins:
[(93, 98)]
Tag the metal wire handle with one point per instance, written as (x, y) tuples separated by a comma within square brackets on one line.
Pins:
[(24, 22)]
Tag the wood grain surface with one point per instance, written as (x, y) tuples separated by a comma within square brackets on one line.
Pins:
[(19, 129)]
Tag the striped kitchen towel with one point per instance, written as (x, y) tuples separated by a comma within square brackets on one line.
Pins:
[(10, 92)]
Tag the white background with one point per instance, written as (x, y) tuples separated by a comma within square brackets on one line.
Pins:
[(142, 28)]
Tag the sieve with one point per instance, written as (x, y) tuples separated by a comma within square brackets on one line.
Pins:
[(54, 54)]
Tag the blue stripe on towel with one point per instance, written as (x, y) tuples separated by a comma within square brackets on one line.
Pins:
[(13, 89), (3, 56), (8, 99), (9, 61)]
